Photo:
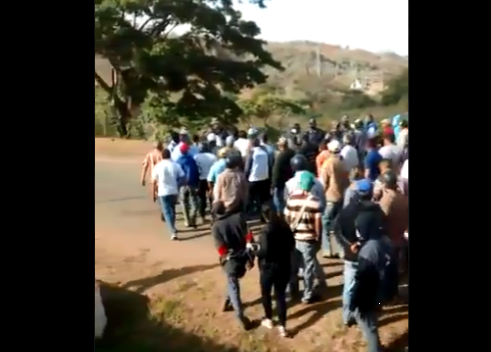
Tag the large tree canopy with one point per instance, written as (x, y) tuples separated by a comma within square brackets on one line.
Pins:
[(218, 52)]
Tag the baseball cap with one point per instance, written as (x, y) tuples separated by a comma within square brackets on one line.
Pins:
[(211, 137), (364, 186), (184, 148), (306, 182), (334, 146)]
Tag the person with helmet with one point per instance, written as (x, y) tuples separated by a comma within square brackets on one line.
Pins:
[(335, 180), (396, 208), (282, 172), (368, 273), (231, 186)]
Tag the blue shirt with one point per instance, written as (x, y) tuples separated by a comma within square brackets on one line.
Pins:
[(395, 125), (216, 169), (372, 160), (190, 168)]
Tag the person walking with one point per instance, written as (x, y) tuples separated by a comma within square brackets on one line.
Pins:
[(303, 215), (188, 193), (282, 172), (166, 177), (276, 243), (204, 159), (231, 236)]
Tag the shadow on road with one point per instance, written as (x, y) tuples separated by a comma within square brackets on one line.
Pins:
[(144, 284), (131, 328)]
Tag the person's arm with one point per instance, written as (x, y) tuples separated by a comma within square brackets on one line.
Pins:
[(220, 244), (211, 176), (325, 177), (145, 165), (180, 174), (155, 180), (367, 164), (248, 164)]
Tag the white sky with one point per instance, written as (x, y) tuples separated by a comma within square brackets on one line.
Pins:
[(375, 25)]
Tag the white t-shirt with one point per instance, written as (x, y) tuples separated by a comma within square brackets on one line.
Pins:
[(405, 170), (260, 165), (204, 162), (350, 157), (391, 152), (242, 145), (167, 173)]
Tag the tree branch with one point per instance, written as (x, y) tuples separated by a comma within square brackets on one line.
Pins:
[(102, 83)]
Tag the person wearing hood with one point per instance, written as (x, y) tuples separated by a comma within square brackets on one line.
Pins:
[(370, 276), (205, 160), (231, 237)]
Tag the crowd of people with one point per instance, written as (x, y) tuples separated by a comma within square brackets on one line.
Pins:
[(344, 192)]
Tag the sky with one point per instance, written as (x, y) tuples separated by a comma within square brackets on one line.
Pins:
[(374, 25)]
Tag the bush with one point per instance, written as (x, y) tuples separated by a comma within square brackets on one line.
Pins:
[(356, 100)]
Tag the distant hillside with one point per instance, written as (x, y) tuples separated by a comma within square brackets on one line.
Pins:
[(339, 67)]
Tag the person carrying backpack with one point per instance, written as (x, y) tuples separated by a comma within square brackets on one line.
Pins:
[(370, 264)]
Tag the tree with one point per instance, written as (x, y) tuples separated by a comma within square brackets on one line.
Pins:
[(398, 89), (265, 105), (219, 53)]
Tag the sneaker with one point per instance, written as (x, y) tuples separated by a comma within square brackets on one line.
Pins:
[(174, 237), (282, 331), (267, 323)]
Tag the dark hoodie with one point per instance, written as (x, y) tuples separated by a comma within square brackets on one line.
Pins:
[(282, 170), (376, 276), (230, 236)]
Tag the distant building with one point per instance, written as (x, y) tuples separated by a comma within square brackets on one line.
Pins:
[(357, 85)]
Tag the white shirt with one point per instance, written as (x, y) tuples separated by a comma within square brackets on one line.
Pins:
[(167, 173), (242, 145), (405, 170), (402, 138), (204, 162), (260, 165), (350, 157), (391, 152)]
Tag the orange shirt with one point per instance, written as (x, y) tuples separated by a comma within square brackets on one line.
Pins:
[(319, 160)]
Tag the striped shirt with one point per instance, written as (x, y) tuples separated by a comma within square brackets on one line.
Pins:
[(305, 230)]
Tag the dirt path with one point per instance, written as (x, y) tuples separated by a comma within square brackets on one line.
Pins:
[(133, 249)]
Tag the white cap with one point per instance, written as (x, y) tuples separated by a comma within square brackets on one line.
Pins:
[(334, 146), (211, 137), (229, 141)]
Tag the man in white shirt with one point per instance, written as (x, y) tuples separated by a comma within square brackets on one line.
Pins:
[(390, 151), (257, 171), (166, 177), (242, 144), (349, 154), (204, 159), (405, 177)]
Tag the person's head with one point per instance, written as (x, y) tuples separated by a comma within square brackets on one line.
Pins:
[(404, 124), (184, 148), (229, 141), (282, 143), (385, 165), (222, 152), (204, 147), (388, 138), (390, 180), (306, 181), (364, 189), (166, 154), (255, 142), (334, 147), (368, 118), (295, 128), (252, 133), (358, 124), (312, 123), (299, 163), (345, 121), (195, 139), (233, 159), (385, 123), (242, 134), (183, 135), (158, 146), (174, 136)]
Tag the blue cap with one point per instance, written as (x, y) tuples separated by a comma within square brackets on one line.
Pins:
[(364, 186)]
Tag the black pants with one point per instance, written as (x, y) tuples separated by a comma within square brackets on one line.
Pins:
[(273, 276), (203, 197), (259, 194)]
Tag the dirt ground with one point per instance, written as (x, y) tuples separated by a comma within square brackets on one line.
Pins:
[(162, 295)]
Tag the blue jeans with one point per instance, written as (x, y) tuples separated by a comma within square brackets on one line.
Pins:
[(307, 251), (233, 294), (168, 207), (328, 216), (279, 199), (368, 322)]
